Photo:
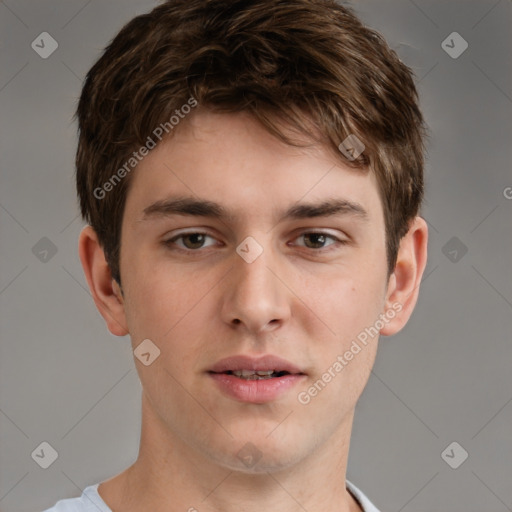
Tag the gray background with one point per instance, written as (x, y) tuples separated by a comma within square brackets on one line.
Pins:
[(446, 377)]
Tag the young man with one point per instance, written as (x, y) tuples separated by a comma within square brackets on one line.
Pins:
[(252, 174)]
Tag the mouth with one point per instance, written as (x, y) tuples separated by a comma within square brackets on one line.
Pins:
[(255, 380), (254, 368), (257, 375)]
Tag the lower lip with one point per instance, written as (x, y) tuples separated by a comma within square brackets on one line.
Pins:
[(255, 391)]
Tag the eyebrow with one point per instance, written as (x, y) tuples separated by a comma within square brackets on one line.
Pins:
[(204, 208)]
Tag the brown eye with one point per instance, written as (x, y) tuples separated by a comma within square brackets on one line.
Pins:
[(190, 241), (315, 240), (318, 241), (193, 241)]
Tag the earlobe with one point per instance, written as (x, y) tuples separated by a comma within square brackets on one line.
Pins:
[(104, 290), (404, 283)]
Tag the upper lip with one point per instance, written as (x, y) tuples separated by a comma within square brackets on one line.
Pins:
[(264, 363)]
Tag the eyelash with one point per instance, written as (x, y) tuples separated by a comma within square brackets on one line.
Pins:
[(170, 243)]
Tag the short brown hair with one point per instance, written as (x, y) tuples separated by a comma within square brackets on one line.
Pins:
[(302, 62)]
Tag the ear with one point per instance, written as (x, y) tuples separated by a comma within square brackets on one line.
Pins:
[(404, 282), (104, 289)]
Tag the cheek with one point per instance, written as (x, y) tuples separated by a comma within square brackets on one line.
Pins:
[(344, 360), (168, 307), (349, 302), (346, 299)]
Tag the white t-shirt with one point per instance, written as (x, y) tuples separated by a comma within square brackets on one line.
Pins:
[(91, 501)]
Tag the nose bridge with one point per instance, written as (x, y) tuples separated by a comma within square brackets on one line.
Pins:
[(255, 297)]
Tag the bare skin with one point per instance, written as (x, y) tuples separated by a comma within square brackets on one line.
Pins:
[(305, 298)]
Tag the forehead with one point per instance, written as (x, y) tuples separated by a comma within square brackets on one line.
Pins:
[(232, 160)]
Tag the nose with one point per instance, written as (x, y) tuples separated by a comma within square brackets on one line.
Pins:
[(254, 296)]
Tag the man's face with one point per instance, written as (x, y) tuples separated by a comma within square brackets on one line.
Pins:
[(302, 288)]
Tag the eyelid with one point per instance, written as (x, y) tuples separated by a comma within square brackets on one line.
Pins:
[(325, 233), (172, 240)]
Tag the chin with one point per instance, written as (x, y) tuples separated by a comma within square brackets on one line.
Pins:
[(258, 448), (258, 456), (266, 464)]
